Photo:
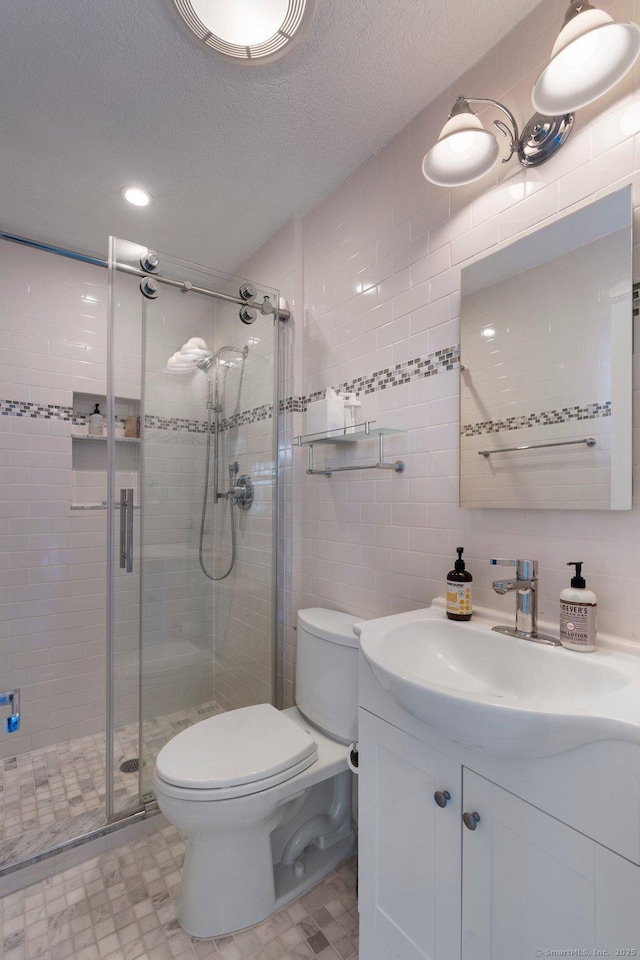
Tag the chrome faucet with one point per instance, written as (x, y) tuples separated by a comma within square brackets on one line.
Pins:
[(525, 583)]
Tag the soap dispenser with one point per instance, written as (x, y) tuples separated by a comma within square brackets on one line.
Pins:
[(96, 422), (578, 608), (459, 590)]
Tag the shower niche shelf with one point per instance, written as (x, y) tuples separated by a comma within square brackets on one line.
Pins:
[(89, 454), (81, 437), (84, 403), (361, 431)]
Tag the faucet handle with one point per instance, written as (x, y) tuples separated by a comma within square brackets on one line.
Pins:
[(525, 569)]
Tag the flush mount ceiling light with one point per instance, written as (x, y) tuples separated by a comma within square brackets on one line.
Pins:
[(591, 54), (137, 196), (246, 30), (466, 150)]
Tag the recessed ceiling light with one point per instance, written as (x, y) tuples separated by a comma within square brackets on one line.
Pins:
[(246, 30), (137, 196)]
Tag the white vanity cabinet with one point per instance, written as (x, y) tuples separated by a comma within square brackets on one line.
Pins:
[(518, 885), (409, 847)]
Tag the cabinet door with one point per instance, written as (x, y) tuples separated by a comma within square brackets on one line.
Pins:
[(409, 847), (528, 880)]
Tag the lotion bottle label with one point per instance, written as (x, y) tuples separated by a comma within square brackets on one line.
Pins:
[(578, 623)]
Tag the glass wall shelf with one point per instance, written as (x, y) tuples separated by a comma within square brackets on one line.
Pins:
[(360, 431)]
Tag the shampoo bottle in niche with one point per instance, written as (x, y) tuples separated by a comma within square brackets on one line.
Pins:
[(96, 422), (578, 608), (459, 590)]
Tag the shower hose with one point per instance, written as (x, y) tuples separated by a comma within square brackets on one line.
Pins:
[(203, 520)]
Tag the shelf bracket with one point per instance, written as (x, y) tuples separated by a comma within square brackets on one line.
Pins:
[(398, 465)]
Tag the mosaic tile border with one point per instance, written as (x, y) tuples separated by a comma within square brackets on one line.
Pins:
[(590, 411), (180, 424), (40, 411), (35, 411), (417, 369), (175, 424)]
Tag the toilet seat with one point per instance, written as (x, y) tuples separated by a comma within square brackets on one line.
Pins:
[(235, 754)]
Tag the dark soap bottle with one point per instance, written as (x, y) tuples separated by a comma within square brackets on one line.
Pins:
[(459, 605)]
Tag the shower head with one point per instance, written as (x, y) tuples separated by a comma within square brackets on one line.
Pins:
[(205, 362)]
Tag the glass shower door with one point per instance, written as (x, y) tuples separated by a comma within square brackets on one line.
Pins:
[(192, 623)]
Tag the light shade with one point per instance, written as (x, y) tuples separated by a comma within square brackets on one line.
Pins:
[(246, 30), (465, 151), (592, 53)]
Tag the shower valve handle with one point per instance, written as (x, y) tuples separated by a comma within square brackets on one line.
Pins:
[(12, 699)]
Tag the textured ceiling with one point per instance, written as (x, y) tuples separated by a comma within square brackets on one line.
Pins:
[(97, 94)]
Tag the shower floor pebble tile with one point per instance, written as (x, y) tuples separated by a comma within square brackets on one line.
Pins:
[(43, 787), (121, 906)]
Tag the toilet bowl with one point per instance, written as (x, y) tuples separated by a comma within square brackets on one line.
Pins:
[(263, 797)]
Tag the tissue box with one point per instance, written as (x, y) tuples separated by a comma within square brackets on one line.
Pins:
[(325, 415)]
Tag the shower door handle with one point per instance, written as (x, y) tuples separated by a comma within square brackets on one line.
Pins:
[(126, 529)]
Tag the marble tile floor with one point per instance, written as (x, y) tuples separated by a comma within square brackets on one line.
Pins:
[(55, 793), (121, 906)]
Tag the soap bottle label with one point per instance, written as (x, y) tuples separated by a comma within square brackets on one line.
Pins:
[(578, 623), (458, 598)]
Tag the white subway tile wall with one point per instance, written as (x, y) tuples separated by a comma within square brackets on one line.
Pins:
[(52, 637), (376, 271)]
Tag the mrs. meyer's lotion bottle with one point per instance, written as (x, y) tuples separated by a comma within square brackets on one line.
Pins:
[(578, 608)]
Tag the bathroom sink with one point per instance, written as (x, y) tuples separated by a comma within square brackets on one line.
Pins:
[(508, 697)]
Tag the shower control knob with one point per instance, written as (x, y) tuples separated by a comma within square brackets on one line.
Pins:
[(242, 492), (150, 262), (248, 314), (247, 291), (442, 797), (149, 288)]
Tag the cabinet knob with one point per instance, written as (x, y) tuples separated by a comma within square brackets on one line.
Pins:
[(471, 820), (442, 797)]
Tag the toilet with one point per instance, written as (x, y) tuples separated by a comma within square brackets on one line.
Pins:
[(262, 796)]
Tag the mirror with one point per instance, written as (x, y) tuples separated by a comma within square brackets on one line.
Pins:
[(546, 366)]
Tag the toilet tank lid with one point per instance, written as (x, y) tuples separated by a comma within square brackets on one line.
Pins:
[(330, 625)]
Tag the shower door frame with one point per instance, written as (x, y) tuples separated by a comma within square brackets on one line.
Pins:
[(277, 681)]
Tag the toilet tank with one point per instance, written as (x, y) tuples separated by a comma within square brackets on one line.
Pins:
[(327, 671)]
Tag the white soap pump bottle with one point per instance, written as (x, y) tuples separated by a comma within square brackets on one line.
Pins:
[(96, 422), (578, 608)]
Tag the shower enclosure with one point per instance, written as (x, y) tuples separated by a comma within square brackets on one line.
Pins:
[(191, 565), (181, 492)]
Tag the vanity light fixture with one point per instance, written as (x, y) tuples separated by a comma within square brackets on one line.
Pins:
[(466, 150), (246, 30), (591, 54)]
